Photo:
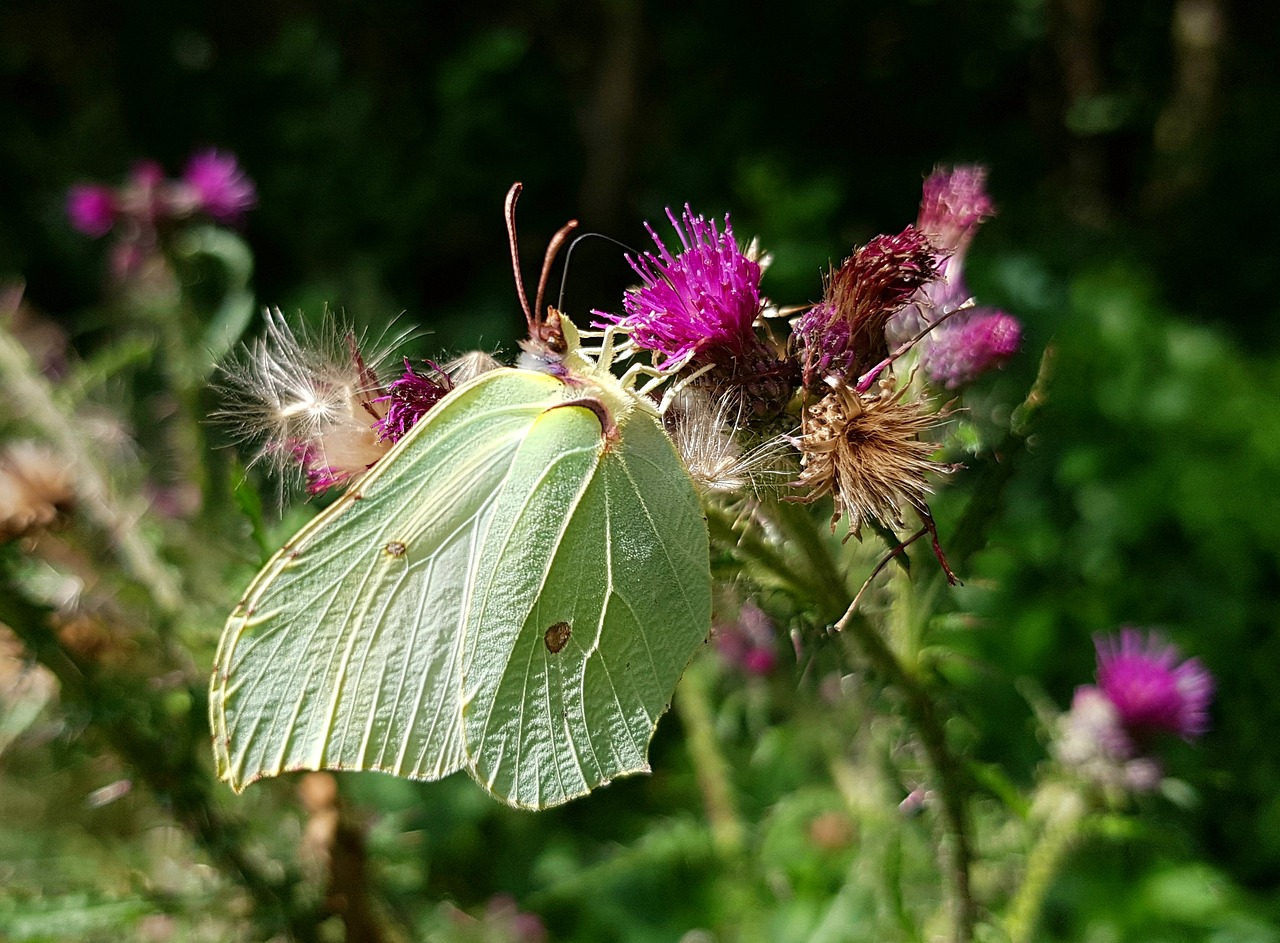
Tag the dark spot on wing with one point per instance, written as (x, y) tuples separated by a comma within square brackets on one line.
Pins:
[(557, 636)]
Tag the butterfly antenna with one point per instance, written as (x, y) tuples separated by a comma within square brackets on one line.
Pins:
[(564, 276), (553, 248), (509, 211)]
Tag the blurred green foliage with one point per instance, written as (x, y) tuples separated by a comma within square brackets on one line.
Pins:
[(382, 140)]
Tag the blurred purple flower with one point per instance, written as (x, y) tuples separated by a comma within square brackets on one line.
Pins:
[(699, 305), (1143, 690), (503, 914), (1092, 741), (954, 204), (221, 188), (213, 184), (91, 209), (959, 351), (749, 643), (408, 399), (1152, 691)]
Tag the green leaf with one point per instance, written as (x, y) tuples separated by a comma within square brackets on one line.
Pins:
[(73, 916), (234, 309)]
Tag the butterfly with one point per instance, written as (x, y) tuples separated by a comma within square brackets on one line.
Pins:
[(514, 590)]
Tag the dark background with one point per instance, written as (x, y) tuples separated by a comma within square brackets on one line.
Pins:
[(382, 140)]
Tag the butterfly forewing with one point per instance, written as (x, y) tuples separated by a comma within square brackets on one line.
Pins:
[(593, 593), (346, 650)]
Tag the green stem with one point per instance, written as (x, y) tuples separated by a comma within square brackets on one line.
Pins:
[(1062, 830), (748, 545), (825, 575), (30, 393), (693, 703), (946, 768), (924, 715), (190, 447)]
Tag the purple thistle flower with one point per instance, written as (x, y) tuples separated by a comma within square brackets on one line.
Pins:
[(1093, 742), (970, 344), (955, 203), (1151, 690), (748, 643), (91, 209), (221, 188), (408, 399), (844, 334), (318, 476), (698, 306)]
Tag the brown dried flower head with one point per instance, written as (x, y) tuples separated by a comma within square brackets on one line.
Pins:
[(844, 334), (35, 488), (865, 451)]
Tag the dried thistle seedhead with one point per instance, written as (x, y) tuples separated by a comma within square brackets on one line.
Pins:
[(865, 451), (35, 489), (707, 432), (844, 334), (310, 400)]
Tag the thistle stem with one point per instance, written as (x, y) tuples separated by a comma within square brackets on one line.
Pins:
[(946, 768), (1057, 839), (826, 577), (693, 703), (821, 584)]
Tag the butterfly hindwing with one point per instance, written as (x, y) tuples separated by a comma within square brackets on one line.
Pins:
[(345, 652)]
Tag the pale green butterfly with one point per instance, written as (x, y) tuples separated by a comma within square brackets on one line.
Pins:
[(514, 589)]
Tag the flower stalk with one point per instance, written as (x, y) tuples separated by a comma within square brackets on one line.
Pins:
[(693, 704), (946, 767)]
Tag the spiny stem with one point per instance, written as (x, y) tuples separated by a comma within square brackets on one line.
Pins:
[(814, 586), (1061, 831), (920, 705), (826, 577)]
